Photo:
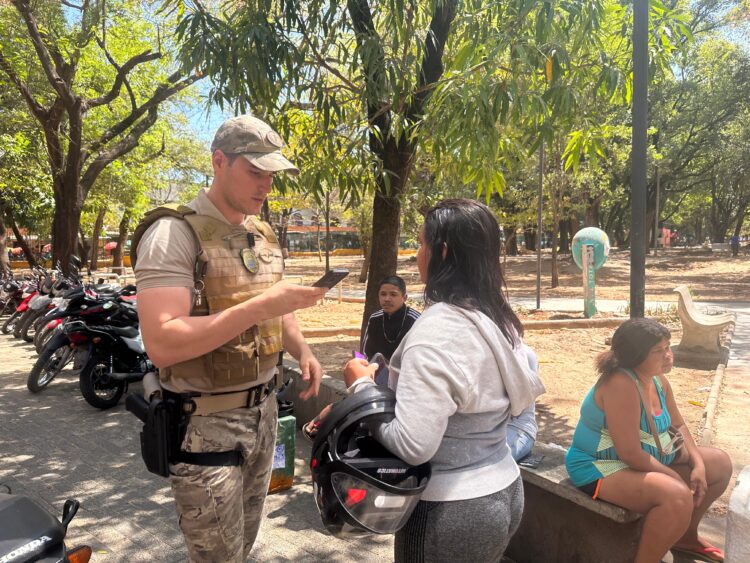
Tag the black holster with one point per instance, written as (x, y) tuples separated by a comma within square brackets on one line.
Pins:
[(164, 427), (161, 436)]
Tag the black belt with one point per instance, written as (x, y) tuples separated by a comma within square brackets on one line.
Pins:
[(209, 458)]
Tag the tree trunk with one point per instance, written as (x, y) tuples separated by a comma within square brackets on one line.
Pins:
[(83, 248), (591, 216), (565, 236), (30, 258), (555, 265), (122, 238), (740, 220), (4, 261), (394, 154), (386, 216), (265, 212), (67, 218), (511, 243), (95, 237), (366, 248), (317, 232), (529, 237)]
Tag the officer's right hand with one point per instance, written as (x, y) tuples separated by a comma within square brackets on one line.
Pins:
[(284, 297)]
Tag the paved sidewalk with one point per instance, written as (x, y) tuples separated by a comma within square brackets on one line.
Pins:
[(54, 446)]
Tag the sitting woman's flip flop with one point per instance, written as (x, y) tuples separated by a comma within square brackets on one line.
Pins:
[(710, 553)]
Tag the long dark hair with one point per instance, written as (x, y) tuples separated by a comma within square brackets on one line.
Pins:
[(469, 276), (631, 345)]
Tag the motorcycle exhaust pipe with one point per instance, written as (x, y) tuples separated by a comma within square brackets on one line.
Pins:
[(127, 377)]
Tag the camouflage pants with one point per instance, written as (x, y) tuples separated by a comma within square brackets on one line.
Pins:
[(220, 508)]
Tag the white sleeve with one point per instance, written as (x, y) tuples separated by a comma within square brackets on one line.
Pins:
[(431, 388)]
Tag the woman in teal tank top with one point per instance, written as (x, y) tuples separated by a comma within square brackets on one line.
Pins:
[(615, 456)]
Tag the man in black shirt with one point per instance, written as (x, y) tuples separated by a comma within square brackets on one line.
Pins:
[(387, 327)]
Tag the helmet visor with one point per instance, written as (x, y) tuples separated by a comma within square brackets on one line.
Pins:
[(373, 508)]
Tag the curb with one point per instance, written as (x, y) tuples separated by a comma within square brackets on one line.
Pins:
[(527, 325), (709, 414)]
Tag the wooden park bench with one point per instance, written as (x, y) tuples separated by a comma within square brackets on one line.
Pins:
[(700, 333), (562, 524)]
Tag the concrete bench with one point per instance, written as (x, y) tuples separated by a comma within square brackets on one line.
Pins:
[(562, 524), (720, 247), (700, 345), (738, 521)]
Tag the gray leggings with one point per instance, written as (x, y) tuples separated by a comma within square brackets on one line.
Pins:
[(477, 529)]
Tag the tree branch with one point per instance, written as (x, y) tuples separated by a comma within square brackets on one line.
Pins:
[(121, 78), (123, 147), (163, 92), (432, 63), (35, 107), (43, 53)]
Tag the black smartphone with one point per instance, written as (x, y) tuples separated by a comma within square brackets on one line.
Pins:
[(381, 376), (531, 461), (331, 278)]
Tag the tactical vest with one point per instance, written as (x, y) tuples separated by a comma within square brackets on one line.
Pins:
[(234, 264)]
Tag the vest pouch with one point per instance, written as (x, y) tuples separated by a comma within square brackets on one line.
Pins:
[(270, 337), (194, 368), (234, 362)]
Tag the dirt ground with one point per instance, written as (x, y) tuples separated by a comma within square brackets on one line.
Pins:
[(566, 360), (711, 277), (566, 368)]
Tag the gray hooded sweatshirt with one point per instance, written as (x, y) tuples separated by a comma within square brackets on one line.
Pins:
[(457, 381)]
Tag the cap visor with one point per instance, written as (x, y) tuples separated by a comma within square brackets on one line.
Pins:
[(271, 162)]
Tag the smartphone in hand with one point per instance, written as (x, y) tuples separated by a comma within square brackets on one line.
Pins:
[(358, 355), (331, 278)]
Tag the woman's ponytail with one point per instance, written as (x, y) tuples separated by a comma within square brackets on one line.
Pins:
[(606, 364)]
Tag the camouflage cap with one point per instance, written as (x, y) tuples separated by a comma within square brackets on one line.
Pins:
[(256, 141)]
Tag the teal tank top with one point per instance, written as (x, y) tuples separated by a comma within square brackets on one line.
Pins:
[(592, 453)]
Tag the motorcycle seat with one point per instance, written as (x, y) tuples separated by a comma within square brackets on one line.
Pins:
[(104, 288), (28, 531), (124, 331)]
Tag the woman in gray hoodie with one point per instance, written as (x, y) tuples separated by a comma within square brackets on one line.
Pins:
[(459, 374)]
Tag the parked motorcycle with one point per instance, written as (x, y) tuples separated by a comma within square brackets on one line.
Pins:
[(117, 357), (40, 305), (28, 290), (28, 532), (70, 341), (10, 295)]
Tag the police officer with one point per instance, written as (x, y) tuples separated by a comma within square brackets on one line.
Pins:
[(214, 315)]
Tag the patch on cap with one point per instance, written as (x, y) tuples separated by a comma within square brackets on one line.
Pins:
[(274, 139)]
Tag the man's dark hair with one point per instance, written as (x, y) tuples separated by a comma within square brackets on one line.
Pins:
[(469, 275), (398, 281)]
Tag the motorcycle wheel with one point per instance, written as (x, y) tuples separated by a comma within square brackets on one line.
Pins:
[(10, 323), (21, 322), (29, 327), (47, 366), (41, 337), (95, 387)]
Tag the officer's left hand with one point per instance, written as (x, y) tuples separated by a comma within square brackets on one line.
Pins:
[(311, 373)]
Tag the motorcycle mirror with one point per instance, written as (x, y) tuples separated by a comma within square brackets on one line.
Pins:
[(69, 511)]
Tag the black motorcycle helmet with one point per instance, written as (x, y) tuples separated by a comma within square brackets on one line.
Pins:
[(359, 486)]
